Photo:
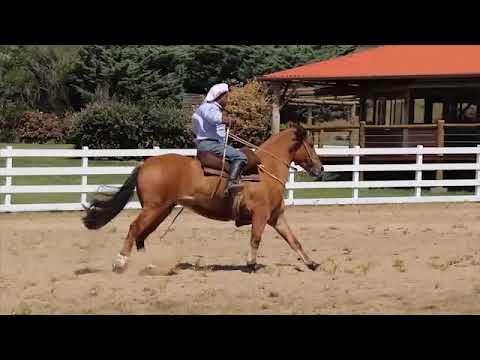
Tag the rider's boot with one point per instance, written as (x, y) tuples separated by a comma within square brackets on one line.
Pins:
[(236, 169)]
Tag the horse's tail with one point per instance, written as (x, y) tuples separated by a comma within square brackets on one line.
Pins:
[(101, 212)]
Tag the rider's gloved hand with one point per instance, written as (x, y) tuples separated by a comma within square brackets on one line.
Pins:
[(229, 121)]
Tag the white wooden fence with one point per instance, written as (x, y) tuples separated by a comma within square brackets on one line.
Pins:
[(356, 168)]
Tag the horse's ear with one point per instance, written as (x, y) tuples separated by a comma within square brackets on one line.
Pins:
[(300, 132)]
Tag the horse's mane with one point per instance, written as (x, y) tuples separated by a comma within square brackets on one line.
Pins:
[(300, 135)]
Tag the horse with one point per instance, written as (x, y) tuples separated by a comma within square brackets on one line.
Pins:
[(164, 181)]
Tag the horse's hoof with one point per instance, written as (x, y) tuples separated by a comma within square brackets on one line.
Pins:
[(120, 264), (313, 266), (252, 268)]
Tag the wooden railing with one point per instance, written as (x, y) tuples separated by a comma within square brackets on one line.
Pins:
[(379, 136)]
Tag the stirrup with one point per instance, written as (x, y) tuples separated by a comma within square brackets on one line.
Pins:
[(233, 188)]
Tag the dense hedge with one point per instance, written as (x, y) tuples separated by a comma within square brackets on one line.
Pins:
[(114, 125), (165, 125)]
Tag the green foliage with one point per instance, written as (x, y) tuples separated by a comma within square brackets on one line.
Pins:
[(158, 72), (130, 73), (166, 125), (207, 65), (106, 125), (113, 125), (210, 64), (48, 71), (16, 84), (11, 115), (34, 76)]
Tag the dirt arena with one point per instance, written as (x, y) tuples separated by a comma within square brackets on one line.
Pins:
[(392, 259)]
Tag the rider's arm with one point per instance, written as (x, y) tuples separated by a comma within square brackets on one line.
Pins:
[(214, 116)]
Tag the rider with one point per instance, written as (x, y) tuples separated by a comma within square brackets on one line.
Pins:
[(209, 124)]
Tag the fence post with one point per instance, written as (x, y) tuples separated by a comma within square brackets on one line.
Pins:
[(356, 173), (418, 173), (291, 180), (477, 188), (8, 179), (83, 198), (361, 134)]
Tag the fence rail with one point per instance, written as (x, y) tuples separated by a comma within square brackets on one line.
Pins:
[(355, 185)]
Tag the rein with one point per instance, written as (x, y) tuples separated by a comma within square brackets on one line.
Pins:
[(244, 142), (308, 152), (261, 166)]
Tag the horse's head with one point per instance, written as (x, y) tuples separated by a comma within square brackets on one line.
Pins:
[(303, 152)]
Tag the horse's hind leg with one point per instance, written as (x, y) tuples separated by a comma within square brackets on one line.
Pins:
[(145, 223), (281, 226)]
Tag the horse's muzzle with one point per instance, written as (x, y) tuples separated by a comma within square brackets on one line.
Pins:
[(317, 171)]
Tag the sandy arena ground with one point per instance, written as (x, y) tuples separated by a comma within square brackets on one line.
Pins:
[(394, 259)]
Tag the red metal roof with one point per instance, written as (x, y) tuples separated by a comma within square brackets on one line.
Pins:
[(390, 62)]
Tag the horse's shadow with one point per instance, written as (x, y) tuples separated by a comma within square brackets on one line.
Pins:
[(194, 267)]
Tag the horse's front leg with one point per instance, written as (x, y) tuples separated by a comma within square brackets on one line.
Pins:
[(259, 221), (281, 226)]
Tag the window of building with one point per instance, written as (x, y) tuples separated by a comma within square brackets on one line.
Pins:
[(437, 112), (419, 111)]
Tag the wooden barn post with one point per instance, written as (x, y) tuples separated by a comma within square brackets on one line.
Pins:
[(276, 88), (440, 143)]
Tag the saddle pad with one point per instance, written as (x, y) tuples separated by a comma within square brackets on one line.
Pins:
[(209, 171)]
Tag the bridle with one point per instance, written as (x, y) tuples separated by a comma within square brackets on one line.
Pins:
[(261, 166), (249, 144), (308, 152)]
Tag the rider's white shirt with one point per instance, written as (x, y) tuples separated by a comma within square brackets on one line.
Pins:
[(207, 122)]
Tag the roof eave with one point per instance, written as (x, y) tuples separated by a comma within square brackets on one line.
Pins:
[(366, 78)]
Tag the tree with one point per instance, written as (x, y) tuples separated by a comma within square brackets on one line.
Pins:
[(207, 65), (48, 71), (166, 71), (33, 76), (130, 73)]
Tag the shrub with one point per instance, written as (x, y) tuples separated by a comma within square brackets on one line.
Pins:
[(252, 106), (40, 127), (114, 125), (165, 125), (11, 115), (106, 125)]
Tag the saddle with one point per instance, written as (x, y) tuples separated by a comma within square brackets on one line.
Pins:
[(212, 165)]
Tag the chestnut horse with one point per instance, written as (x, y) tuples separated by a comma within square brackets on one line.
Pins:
[(168, 180)]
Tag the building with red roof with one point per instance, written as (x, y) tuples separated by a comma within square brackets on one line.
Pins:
[(407, 94)]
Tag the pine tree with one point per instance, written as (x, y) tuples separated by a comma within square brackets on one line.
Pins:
[(128, 72)]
